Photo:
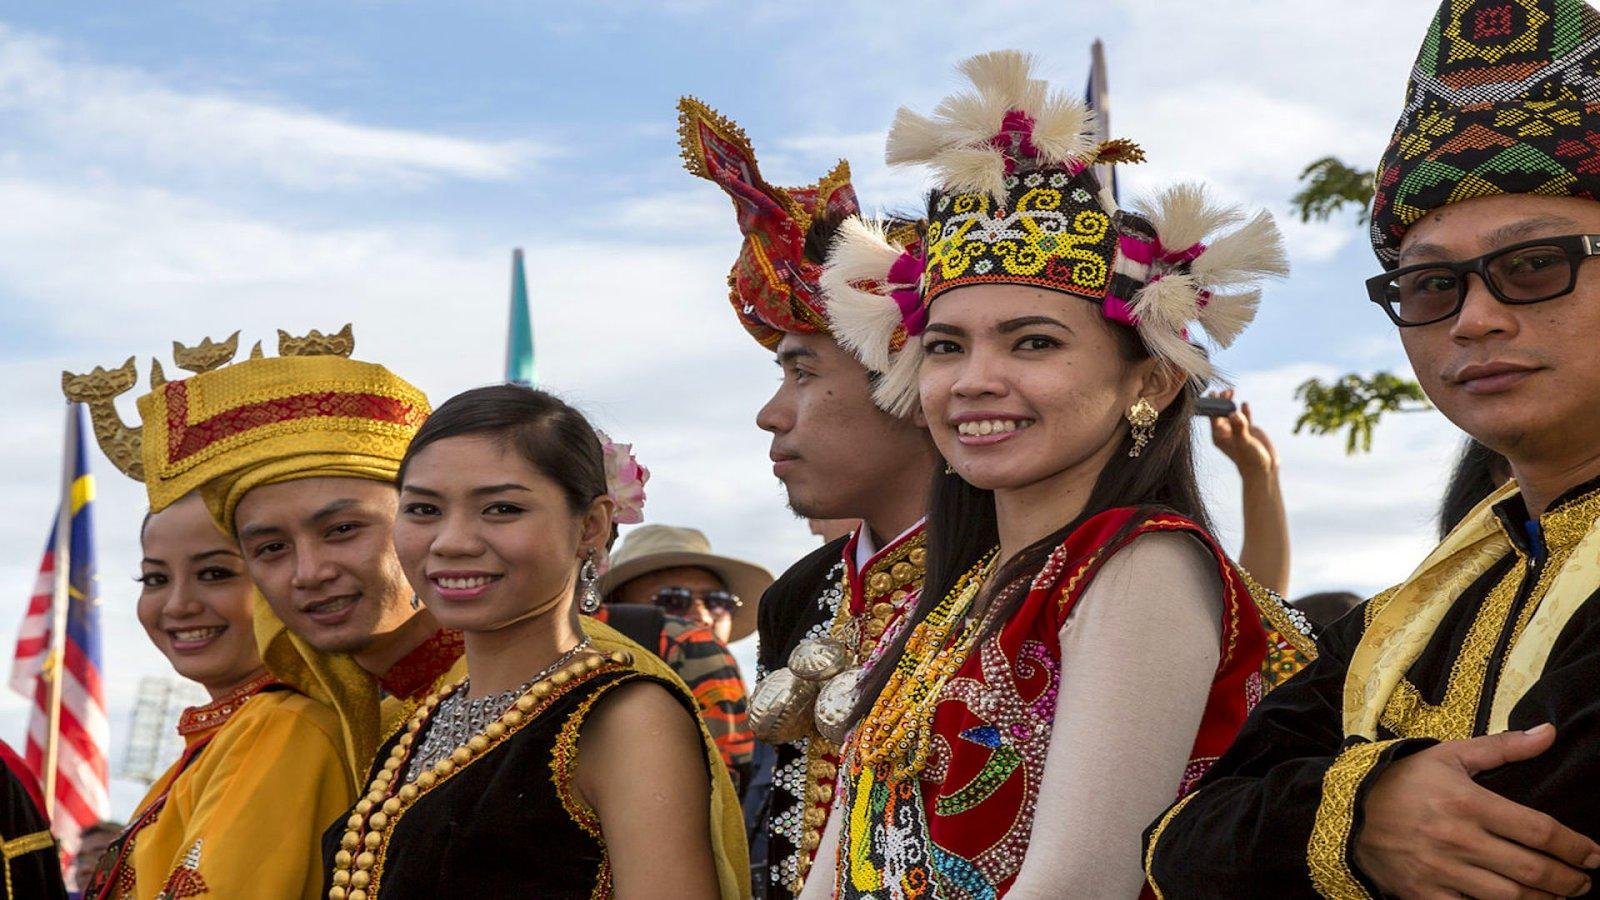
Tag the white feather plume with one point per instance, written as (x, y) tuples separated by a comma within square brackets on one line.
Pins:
[(1184, 215), (1061, 128), (1006, 76), (1164, 308), (896, 391), (1225, 316), (954, 141), (864, 322), (1253, 252), (913, 138)]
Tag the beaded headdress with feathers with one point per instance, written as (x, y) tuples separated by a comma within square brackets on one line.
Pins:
[(1017, 202)]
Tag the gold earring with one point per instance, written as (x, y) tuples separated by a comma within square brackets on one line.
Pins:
[(1142, 424)]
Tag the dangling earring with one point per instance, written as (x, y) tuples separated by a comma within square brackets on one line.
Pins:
[(589, 582), (416, 601), (1142, 424), (948, 470)]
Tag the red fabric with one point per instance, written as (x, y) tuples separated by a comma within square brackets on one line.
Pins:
[(413, 677), (185, 439), (1011, 681), (19, 770)]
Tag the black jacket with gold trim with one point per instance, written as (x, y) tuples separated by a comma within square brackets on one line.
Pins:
[(1280, 811)]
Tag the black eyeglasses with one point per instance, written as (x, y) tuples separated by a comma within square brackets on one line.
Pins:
[(1529, 272), (677, 600)]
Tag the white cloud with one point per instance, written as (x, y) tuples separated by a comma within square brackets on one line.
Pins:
[(125, 113)]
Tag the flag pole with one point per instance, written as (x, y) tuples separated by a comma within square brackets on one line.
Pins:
[(1101, 103), (55, 661), (519, 330)]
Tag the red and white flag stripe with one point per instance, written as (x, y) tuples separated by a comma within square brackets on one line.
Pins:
[(82, 773)]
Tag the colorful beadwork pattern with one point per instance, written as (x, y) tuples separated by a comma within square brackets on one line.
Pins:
[(958, 825), (1501, 101), (1050, 233)]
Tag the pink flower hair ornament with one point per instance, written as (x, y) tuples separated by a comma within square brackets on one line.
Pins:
[(625, 480)]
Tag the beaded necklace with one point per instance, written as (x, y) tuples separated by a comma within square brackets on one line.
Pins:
[(457, 719), (387, 797), (896, 729)]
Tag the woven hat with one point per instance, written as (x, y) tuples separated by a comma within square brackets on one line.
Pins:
[(231, 427), (1502, 100), (1017, 202), (651, 548)]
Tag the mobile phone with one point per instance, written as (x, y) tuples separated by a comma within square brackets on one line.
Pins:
[(1214, 407)]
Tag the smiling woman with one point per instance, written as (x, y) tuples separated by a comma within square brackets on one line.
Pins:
[(553, 769), (261, 765), (1044, 334)]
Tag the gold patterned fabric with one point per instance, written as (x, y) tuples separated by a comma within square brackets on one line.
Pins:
[(1398, 632), (265, 421), (1330, 835)]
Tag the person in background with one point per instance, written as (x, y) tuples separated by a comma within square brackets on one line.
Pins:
[(674, 570), (1264, 552), (91, 847), (1327, 607), (839, 456), (1443, 742), (32, 864), (666, 590), (1478, 473), (553, 769)]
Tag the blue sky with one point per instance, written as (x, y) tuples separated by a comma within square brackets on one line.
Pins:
[(172, 170)]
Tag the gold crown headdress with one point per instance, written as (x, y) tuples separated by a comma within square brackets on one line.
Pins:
[(309, 411)]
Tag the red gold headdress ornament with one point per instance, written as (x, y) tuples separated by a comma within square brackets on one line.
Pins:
[(773, 286), (1018, 203), (308, 412)]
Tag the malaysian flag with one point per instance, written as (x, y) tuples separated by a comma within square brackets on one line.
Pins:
[(80, 796)]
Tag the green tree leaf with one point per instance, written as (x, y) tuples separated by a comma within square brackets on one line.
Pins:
[(1354, 403), (1329, 186)]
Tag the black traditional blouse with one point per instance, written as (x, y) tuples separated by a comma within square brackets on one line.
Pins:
[(508, 823)]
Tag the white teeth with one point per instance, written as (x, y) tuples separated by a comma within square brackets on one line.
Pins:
[(198, 634), (461, 584), (992, 426)]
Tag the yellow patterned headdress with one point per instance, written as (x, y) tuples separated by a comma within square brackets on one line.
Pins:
[(306, 413)]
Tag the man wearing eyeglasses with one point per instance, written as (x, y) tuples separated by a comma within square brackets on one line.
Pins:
[(665, 589), (1446, 742)]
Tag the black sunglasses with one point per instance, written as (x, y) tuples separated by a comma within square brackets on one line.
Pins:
[(677, 600), (1529, 272)]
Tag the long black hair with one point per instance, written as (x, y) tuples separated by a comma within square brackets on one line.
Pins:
[(962, 526), (1477, 473), (551, 435)]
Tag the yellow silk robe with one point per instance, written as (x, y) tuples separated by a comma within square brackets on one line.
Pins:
[(245, 818)]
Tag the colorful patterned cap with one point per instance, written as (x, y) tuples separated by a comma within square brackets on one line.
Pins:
[(1017, 202), (773, 286), (1501, 101), (308, 412)]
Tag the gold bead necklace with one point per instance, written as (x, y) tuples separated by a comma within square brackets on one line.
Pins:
[(387, 797), (895, 730)]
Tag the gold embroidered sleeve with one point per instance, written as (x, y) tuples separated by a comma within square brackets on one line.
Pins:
[(1328, 853), (1155, 839)]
